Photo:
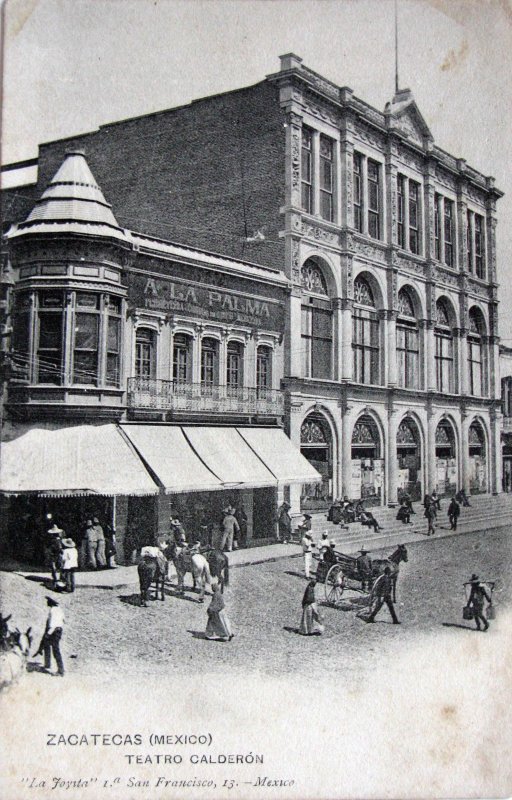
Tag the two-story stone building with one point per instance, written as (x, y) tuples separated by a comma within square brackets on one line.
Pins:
[(357, 276)]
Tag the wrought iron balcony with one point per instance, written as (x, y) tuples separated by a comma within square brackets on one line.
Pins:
[(199, 397)]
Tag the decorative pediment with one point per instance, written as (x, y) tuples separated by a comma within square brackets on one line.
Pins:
[(403, 115)]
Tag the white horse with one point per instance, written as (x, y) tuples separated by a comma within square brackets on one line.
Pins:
[(13, 661), (185, 561)]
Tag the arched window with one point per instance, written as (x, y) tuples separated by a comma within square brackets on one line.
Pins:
[(234, 365), (316, 324), (444, 349), (145, 354), (181, 358), (407, 342), (264, 367), (209, 363), (365, 334), (475, 354)]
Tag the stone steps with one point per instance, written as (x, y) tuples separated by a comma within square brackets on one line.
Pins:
[(485, 512)]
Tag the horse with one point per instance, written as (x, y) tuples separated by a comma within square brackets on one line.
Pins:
[(152, 568), (194, 562), (393, 562), (13, 659)]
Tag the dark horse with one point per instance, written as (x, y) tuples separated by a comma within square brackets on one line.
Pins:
[(393, 562), (219, 566), (151, 570)]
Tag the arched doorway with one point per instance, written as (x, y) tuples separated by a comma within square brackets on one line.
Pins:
[(408, 454), (367, 475), (477, 459), (316, 446), (446, 459)]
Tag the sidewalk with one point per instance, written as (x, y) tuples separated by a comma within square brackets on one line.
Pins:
[(127, 575)]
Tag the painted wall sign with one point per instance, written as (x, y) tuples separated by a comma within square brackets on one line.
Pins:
[(170, 295)]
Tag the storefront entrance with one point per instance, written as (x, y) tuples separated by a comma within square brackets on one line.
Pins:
[(446, 460), (408, 454), (367, 478), (316, 447), (477, 459)]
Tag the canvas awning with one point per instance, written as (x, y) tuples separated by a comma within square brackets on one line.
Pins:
[(281, 456), (168, 453), (206, 458), (73, 460)]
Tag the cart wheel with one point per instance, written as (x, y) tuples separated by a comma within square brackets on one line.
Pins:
[(334, 585)]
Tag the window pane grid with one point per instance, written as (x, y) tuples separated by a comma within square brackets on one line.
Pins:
[(306, 171)]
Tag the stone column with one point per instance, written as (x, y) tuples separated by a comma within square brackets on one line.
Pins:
[(346, 450), (223, 355), (346, 173), (464, 450), (431, 453), (495, 456), (294, 333), (196, 357), (337, 325), (390, 374), (392, 465), (460, 342), (347, 307), (430, 351), (295, 421)]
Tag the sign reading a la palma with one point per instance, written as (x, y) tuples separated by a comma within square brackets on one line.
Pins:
[(206, 302)]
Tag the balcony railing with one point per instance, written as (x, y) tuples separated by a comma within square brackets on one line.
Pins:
[(199, 397)]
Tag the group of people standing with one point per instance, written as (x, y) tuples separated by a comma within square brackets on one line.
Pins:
[(61, 552), (432, 505)]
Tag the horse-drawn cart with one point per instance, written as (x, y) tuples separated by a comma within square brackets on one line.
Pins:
[(345, 575)]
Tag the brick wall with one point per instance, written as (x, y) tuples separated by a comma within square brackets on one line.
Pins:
[(199, 174)]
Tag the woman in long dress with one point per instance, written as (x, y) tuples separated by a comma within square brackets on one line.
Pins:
[(218, 626), (310, 624)]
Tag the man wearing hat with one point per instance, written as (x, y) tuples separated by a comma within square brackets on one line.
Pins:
[(50, 643), (329, 555), (383, 589), (365, 569), (69, 561), (477, 596), (307, 550), (53, 549), (284, 522)]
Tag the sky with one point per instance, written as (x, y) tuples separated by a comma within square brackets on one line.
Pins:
[(72, 65)]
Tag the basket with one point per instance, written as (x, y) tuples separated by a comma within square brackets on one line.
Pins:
[(490, 613), (468, 613)]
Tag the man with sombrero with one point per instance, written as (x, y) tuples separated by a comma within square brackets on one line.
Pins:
[(477, 596), (69, 562), (53, 550)]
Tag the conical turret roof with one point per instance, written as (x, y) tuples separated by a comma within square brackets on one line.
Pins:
[(72, 202)]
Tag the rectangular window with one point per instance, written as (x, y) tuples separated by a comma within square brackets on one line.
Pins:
[(365, 346), (263, 368), (479, 246), (145, 354), (234, 367), (306, 341), (437, 226), (49, 351), (85, 355), (209, 363), (448, 232), (321, 344), (358, 194), (373, 199), (113, 350), (408, 356), (307, 170), (469, 240), (414, 239), (444, 362), (475, 367), (326, 178), (400, 209), (180, 359)]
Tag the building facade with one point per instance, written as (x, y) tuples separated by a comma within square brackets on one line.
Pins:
[(355, 300)]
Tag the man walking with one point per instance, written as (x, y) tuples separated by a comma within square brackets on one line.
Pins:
[(383, 588), (453, 513), (50, 643), (431, 516), (307, 550), (476, 601), (53, 551), (284, 522)]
